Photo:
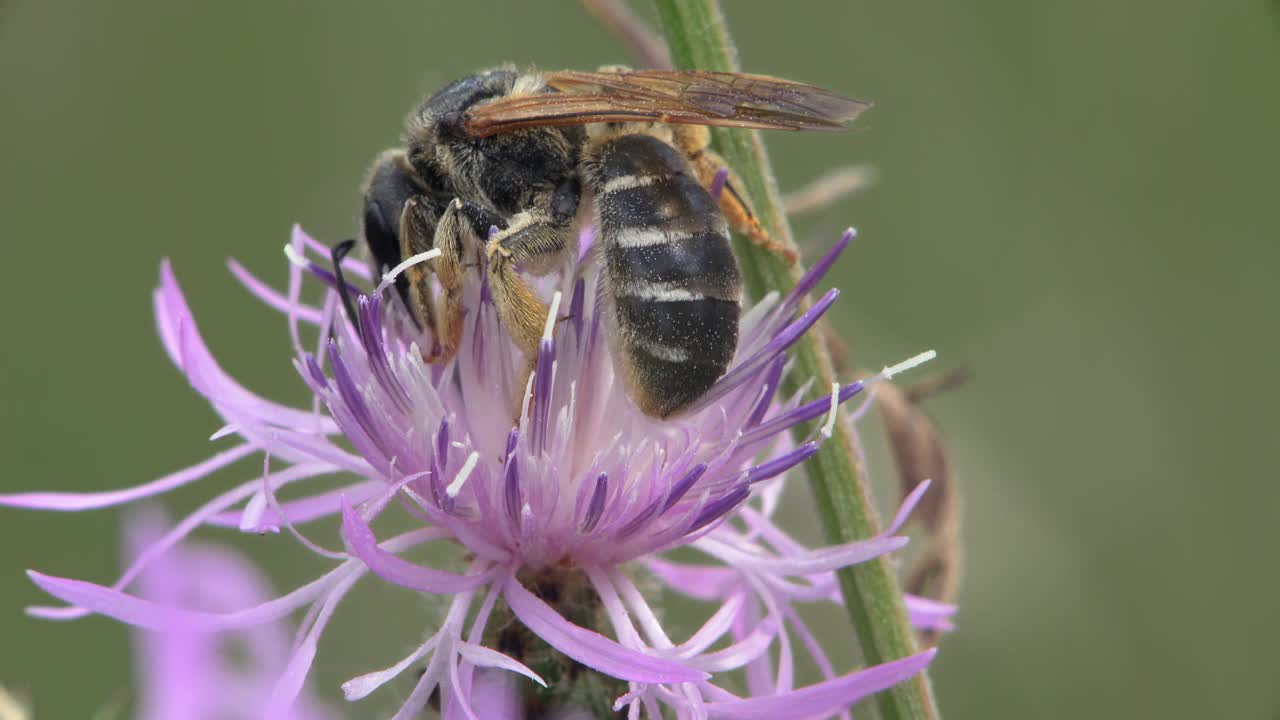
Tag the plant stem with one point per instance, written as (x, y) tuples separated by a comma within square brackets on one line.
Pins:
[(699, 38)]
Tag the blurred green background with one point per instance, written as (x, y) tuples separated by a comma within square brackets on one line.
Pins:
[(1076, 200)]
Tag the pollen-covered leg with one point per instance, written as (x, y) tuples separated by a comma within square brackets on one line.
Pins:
[(694, 141), (454, 235), (460, 246), (531, 244)]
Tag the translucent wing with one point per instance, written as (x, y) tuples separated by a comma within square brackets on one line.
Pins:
[(688, 97)]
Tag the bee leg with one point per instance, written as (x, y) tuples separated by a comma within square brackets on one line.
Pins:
[(457, 236), (534, 244), (695, 141), (417, 228)]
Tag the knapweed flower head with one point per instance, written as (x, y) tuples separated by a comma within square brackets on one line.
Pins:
[(562, 496)]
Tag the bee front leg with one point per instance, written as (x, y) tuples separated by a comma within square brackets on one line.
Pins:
[(695, 141), (456, 234)]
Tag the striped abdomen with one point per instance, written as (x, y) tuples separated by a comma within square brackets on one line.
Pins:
[(670, 272)]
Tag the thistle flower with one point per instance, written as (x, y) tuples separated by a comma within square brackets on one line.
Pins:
[(557, 509)]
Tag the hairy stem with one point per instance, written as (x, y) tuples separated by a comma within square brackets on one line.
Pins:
[(698, 38)]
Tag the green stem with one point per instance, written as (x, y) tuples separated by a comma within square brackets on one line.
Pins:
[(699, 38)]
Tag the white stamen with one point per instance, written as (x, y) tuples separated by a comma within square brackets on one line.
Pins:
[(829, 426), (460, 479), (295, 258), (551, 317), (390, 276), (908, 364)]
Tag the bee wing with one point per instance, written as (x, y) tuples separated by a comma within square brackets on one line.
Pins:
[(683, 97)]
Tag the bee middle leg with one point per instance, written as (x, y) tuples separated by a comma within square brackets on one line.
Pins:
[(695, 142), (533, 244)]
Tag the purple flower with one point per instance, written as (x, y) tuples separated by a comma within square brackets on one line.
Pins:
[(184, 674), (578, 492)]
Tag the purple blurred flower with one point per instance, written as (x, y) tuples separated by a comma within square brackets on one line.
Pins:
[(184, 674), (582, 485)]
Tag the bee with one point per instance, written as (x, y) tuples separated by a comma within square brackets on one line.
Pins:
[(529, 154)]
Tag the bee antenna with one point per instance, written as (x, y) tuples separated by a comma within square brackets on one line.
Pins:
[(338, 253)]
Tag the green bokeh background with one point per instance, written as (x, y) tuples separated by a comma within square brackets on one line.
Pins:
[(1077, 201)]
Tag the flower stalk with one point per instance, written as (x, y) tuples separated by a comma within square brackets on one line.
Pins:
[(699, 38)]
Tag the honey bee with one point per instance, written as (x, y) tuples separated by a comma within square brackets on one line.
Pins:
[(526, 152)]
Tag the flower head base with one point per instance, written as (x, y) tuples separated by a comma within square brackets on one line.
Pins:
[(556, 474)]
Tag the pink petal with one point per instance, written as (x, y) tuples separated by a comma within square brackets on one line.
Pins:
[(187, 350), (483, 657), (271, 296), (494, 696), (153, 616), (306, 509), (908, 504), (929, 614), (290, 683), (591, 648), (807, 563), (714, 628), (734, 656), (359, 687), (703, 582), (823, 698), (397, 570), (301, 240), (89, 501)]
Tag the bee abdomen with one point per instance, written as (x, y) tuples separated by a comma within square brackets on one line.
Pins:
[(671, 273)]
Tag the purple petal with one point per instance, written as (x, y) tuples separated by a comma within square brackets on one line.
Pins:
[(779, 465), (719, 507), (481, 656), (779, 343), (145, 614), (928, 614), (543, 382), (271, 296), (397, 570), (795, 416), (715, 626), (591, 648), (89, 501), (513, 498), (186, 348), (909, 504), (682, 486), (703, 582), (302, 241), (811, 562), (596, 506), (360, 687), (289, 685), (823, 698), (816, 273), (743, 651), (496, 696), (309, 508)]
